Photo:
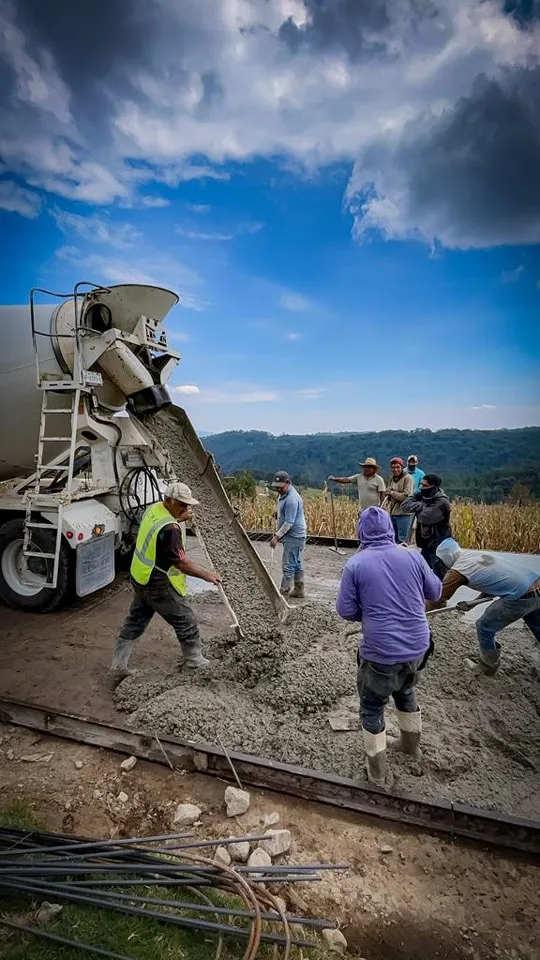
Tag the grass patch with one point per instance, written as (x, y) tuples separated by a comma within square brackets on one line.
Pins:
[(140, 938)]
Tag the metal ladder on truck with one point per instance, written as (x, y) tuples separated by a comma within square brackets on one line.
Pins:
[(38, 496)]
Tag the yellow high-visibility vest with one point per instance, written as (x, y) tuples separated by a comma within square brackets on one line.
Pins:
[(144, 558)]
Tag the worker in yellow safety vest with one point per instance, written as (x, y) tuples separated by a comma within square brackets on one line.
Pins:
[(158, 575)]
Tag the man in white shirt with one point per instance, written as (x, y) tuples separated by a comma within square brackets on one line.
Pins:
[(371, 486)]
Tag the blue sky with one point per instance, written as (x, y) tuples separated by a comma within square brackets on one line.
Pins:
[(331, 277)]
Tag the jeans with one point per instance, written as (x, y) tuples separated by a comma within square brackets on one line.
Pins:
[(292, 562), (502, 612), (157, 596), (402, 526), (377, 682)]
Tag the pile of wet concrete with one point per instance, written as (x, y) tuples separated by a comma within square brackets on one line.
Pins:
[(272, 693)]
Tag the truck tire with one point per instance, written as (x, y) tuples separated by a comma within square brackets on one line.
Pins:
[(13, 591)]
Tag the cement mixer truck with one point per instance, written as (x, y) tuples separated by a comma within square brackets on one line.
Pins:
[(77, 468)]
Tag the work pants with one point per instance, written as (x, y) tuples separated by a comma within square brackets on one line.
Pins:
[(377, 682), (157, 596), (503, 612), (402, 526), (292, 563)]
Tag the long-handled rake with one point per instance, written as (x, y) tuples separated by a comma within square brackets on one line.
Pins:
[(335, 548)]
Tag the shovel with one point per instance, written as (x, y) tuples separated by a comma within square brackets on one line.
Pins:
[(462, 607), (335, 548), (234, 625)]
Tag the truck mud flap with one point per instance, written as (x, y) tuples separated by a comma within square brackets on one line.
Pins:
[(94, 566)]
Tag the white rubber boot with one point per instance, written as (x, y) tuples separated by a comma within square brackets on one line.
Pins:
[(410, 728), (375, 747)]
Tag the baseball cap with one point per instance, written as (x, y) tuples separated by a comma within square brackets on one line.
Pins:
[(396, 460), (280, 478), (412, 458), (176, 490)]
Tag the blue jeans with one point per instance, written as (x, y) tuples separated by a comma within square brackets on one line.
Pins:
[(402, 526), (502, 612), (292, 563), (377, 682)]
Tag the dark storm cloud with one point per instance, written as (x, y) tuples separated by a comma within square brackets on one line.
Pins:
[(471, 177), (344, 23)]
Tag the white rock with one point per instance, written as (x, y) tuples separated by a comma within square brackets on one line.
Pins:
[(270, 819), (97, 794), (279, 843), (386, 848), (239, 851), (122, 797), (335, 940), (78, 764), (186, 814), (260, 858), (10, 755), (128, 764), (48, 911), (237, 801), (222, 855)]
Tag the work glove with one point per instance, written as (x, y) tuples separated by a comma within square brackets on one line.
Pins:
[(464, 605)]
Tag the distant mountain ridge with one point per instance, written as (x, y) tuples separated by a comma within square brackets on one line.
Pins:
[(468, 460)]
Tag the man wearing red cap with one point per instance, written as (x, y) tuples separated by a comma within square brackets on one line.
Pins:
[(399, 487)]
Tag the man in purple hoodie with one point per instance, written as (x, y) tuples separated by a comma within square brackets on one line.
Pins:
[(385, 587)]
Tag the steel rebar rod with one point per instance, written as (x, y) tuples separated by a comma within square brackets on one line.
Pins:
[(63, 941)]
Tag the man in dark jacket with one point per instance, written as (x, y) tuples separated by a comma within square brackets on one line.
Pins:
[(432, 509)]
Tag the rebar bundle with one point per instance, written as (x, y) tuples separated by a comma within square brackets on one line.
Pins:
[(120, 875)]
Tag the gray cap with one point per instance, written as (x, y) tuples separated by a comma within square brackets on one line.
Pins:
[(280, 478)]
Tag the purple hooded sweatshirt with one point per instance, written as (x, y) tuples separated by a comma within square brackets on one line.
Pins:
[(385, 587)]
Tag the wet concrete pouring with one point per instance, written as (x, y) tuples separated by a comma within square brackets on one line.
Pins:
[(272, 693)]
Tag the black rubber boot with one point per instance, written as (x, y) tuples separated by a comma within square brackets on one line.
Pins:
[(490, 660)]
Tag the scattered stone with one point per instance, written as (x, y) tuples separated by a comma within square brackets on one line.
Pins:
[(10, 755), (260, 858), (386, 849), (48, 911), (186, 814), (239, 851), (97, 794), (122, 797), (335, 940), (222, 855), (200, 761), (78, 764), (270, 819), (237, 801), (277, 844), (67, 806), (128, 764)]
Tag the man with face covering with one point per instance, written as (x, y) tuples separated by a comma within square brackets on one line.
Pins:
[(517, 589), (432, 509), (385, 588)]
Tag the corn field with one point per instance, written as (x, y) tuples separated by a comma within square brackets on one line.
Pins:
[(476, 526)]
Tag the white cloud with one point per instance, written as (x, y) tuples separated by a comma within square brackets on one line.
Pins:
[(179, 336), (294, 302), (202, 235), (189, 389), (148, 201), (485, 406), (17, 199), (97, 229), (312, 393), (293, 337), (199, 207), (236, 392), (186, 88), (512, 276)]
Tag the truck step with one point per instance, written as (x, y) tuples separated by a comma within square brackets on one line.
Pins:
[(41, 526), (59, 410), (54, 439), (37, 553)]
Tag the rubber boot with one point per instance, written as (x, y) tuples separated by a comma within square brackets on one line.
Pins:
[(298, 591), (410, 729), (285, 587), (490, 659), (375, 747), (193, 658), (119, 669)]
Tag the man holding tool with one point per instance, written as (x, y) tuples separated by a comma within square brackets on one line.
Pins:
[(398, 488), (385, 588), (158, 576), (292, 533), (371, 486), (516, 588)]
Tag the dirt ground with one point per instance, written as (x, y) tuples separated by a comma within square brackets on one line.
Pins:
[(481, 742), (406, 896)]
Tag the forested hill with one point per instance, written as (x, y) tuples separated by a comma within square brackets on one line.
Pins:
[(483, 464)]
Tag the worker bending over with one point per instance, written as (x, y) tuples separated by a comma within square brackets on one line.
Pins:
[(158, 575), (292, 533), (517, 589), (385, 588)]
